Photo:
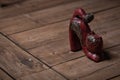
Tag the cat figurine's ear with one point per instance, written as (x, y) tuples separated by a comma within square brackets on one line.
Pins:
[(89, 17)]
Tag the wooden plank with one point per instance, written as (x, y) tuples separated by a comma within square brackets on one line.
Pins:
[(116, 78), (49, 40), (55, 14), (105, 73), (50, 43), (36, 5), (6, 10), (17, 62), (16, 24), (63, 12), (44, 75), (55, 52), (4, 76), (39, 36), (82, 67), (29, 6), (8, 1)]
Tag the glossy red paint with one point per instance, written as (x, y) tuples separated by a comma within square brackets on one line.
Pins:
[(82, 38)]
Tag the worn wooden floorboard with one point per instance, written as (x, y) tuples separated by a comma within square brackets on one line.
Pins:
[(56, 54), (36, 37), (63, 12), (39, 45), (44, 35), (4, 76), (53, 48), (44, 75), (21, 23), (17, 62), (116, 78), (105, 73), (51, 15), (83, 67), (80, 68), (27, 6), (16, 24)]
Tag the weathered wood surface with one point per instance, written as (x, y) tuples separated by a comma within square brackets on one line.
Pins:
[(50, 43), (17, 62), (4, 76), (109, 71), (55, 14), (51, 15), (16, 24), (35, 37), (105, 73), (116, 78), (83, 67), (39, 45), (44, 75), (26, 6)]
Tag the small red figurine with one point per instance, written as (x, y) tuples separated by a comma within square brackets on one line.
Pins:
[(81, 36)]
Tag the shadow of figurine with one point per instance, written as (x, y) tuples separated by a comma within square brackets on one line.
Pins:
[(107, 55), (4, 3)]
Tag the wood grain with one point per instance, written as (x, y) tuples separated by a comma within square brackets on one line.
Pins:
[(82, 67), (116, 78), (44, 75), (4, 76), (26, 6), (17, 62), (16, 24), (40, 30), (51, 15), (63, 12), (39, 36), (105, 73), (49, 49), (51, 44)]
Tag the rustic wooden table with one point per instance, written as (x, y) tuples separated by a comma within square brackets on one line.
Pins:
[(34, 41)]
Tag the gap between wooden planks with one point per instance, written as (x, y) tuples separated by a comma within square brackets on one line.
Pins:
[(50, 43), (27, 6), (115, 78), (18, 63), (103, 21), (82, 68), (105, 73), (4, 76), (51, 15), (44, 75)]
